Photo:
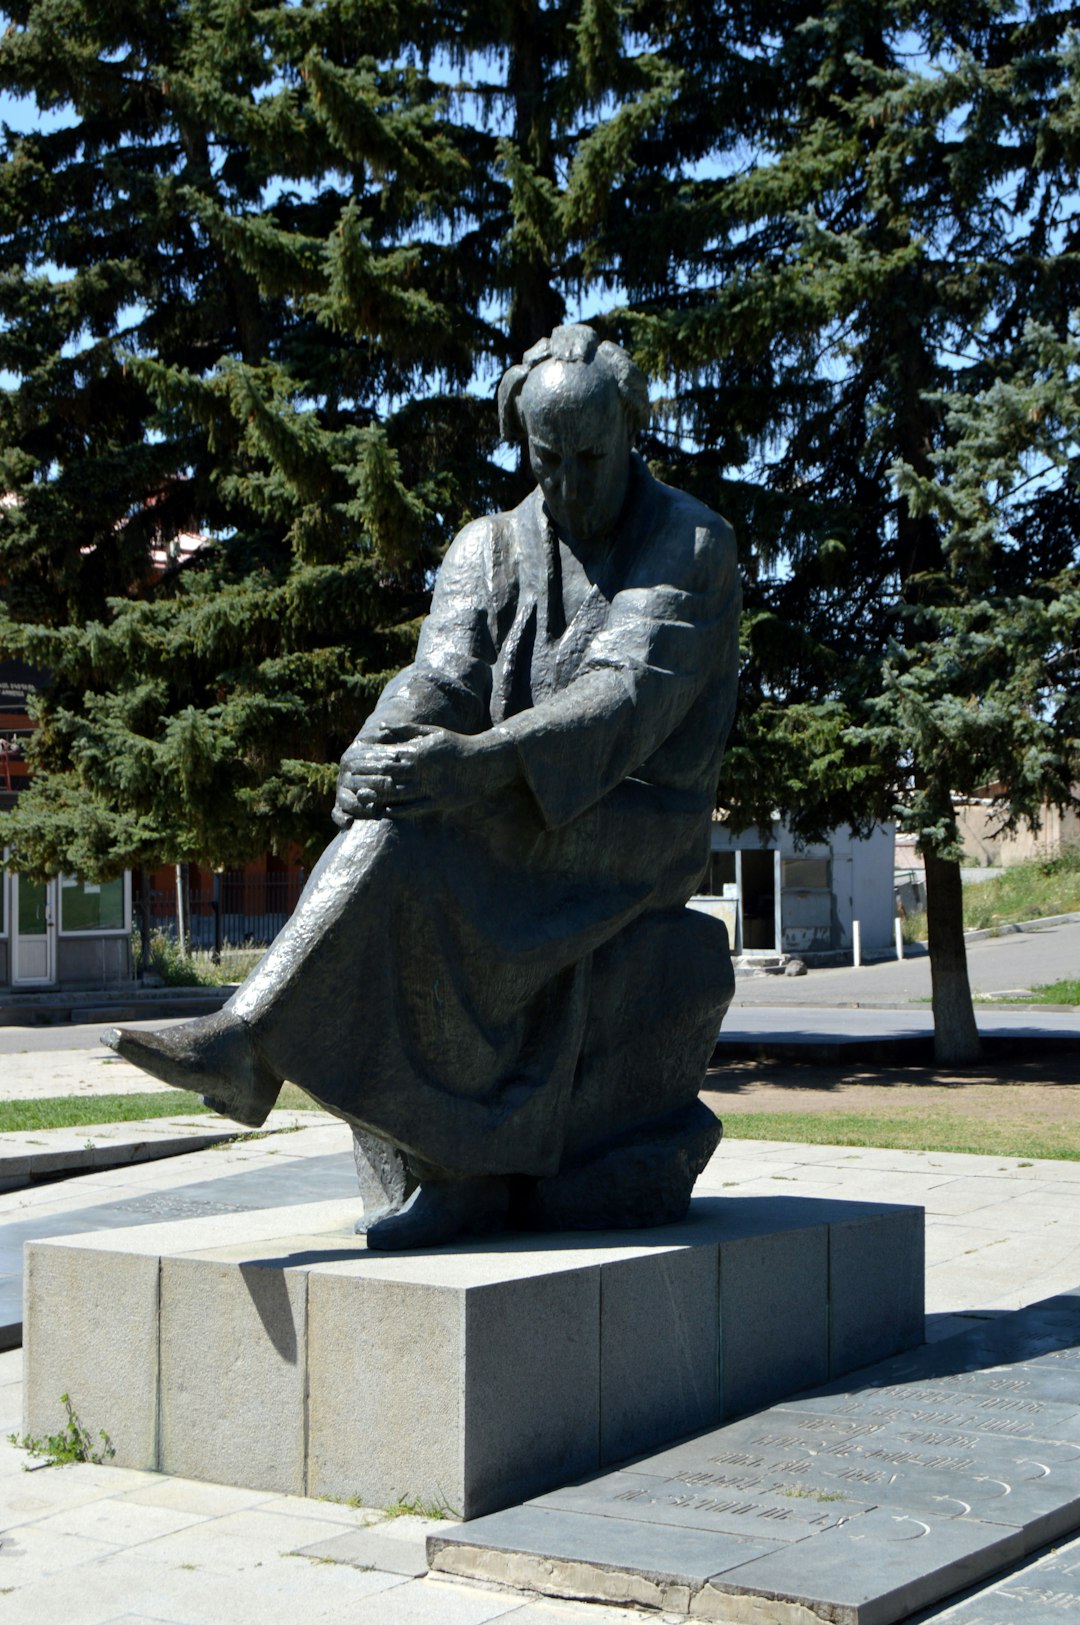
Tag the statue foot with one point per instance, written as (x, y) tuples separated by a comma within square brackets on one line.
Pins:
[(439, 1211), (215, 1056)]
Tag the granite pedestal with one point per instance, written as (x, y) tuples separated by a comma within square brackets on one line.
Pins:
[(272, 1350)]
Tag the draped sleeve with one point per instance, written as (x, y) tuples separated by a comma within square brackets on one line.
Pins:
[(665, 644)]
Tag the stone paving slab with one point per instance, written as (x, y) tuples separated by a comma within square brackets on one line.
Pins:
[(372, 1549), (1045, 1592), (867, 1500)]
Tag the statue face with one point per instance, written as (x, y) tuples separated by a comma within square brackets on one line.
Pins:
[(579, 446)]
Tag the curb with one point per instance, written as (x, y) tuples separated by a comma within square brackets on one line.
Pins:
[(1044, 923), (29, 1155), (106, 1004)]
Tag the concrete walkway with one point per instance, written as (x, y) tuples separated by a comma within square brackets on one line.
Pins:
[(90, 1545)]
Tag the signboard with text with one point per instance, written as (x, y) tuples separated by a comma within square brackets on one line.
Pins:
[(18, 682)]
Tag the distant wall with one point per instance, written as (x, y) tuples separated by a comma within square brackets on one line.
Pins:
[(978, 821), (93, 961)]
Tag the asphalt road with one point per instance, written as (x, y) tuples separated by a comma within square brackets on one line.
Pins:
[(1014, 961)]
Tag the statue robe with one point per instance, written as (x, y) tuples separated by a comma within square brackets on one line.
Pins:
[(496, 989)]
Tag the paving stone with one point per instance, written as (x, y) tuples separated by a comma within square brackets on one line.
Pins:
[(282, 1591), (29, 1552), (193, 1495), (873, 1571), (120, 1521), (428, 1602), (236, 1543), (28, 1497), (372, 1549)]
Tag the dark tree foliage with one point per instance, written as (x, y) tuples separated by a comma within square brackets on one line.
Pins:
[(223, 277), (903, 205)]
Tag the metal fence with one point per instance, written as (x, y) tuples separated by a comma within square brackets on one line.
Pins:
[(253, 907)]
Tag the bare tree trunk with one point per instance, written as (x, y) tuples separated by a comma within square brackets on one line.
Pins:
[(956, 1037)]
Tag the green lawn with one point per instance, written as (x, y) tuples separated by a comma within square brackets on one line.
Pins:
[(70, 1111), (936, 1132)]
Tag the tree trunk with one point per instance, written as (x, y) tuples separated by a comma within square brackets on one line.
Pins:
[(956, 1037)]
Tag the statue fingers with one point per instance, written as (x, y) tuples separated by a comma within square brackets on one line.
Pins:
[(356, 804)]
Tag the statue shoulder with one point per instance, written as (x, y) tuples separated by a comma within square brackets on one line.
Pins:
[(692, 535), (478, 544)]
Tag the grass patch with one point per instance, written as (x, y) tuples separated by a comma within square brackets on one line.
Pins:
[(178, 969), (72, 1111), (411, 1506), (1066, 992), (939, 1132), (1027, 891)]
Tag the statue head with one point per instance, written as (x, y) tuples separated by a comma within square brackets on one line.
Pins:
[(578, 403)]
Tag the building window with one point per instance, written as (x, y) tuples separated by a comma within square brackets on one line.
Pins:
[(87, 906), (806, 874)]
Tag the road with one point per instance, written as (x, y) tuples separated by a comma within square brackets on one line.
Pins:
[(1017, 960)]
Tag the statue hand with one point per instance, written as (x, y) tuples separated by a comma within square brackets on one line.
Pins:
[(432, 770)]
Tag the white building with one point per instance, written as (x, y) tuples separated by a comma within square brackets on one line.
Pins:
[(777, 898)]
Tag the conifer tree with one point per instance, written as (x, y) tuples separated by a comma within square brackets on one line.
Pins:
[(219, 279), (904, 204)]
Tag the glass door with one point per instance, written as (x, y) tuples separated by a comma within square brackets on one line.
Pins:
[(33, 933)]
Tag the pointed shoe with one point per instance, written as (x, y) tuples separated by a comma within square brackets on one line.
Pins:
[(213, 1055)]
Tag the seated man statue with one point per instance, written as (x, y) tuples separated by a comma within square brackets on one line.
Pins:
[(492, 974)]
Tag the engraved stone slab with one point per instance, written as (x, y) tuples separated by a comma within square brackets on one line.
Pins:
[(685, 1557), (872, 1571), (1046, 1592), (1019, 1486), (762, 1509), (926, 1410)]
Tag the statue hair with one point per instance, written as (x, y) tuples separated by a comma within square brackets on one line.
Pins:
[(575, 342)]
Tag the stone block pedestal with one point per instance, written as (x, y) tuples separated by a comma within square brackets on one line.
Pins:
[(272, 1350)]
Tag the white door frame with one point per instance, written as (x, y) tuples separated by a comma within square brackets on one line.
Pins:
[(24, 971)]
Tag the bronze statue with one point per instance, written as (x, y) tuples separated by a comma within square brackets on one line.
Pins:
[(492, 974)]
